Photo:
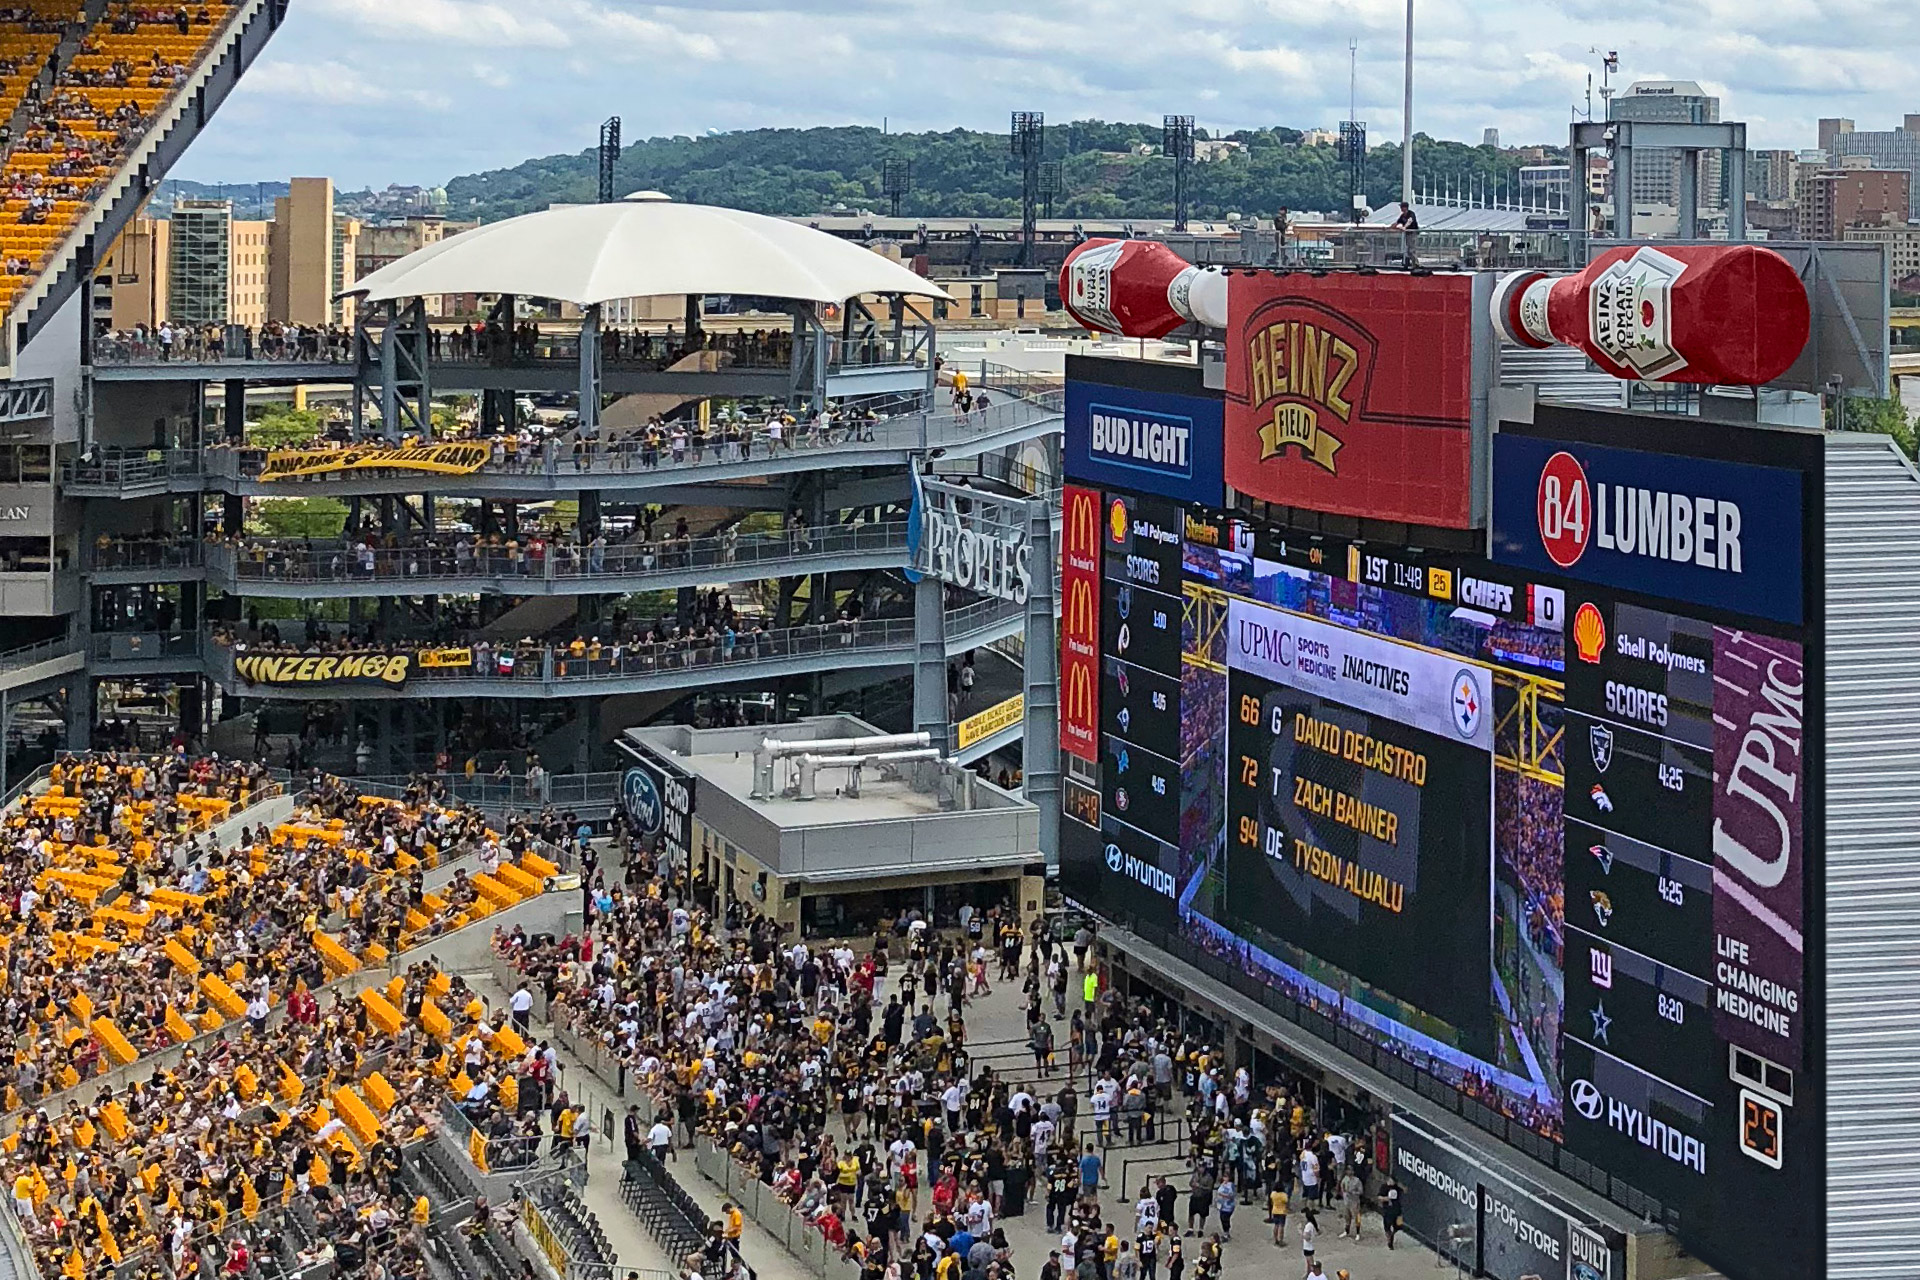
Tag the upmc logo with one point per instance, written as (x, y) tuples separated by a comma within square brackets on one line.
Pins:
[(1697, 530), (1562, 507)]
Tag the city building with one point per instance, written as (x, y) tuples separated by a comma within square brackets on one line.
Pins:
[(1770, 174), (380, 244), (831, 826), (1903, 248), (1545, 186), (1656, 170), (1834, 200), (131, 287), (1884, 148), (303, 241), (217, 265), (1490, 138)]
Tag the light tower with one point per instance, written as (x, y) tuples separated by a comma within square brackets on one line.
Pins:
[(1049, 185), (609, 157), (1176, 140), (896, 179), (1028, 139)]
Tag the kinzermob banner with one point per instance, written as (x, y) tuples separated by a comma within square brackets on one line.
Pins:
[(1697, 530), (443, 459), (1439, 693), (389, 669), (1149, 440), (1488, 1223), (1353, 394)]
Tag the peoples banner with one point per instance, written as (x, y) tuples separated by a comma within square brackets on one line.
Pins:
[(290, 669), (442, 459), (443, 658)]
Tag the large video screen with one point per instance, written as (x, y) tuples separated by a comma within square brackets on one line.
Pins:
[(1545, 837)]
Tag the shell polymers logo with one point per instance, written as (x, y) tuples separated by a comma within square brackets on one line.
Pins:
[(1117, 520), (1589, 632), (1563, 506)]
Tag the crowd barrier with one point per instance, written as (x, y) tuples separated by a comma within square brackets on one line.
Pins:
[(757, 1201)]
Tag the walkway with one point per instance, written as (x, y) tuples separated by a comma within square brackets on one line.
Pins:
[(994, 1024)]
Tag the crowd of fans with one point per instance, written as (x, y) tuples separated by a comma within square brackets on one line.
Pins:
[(130, 929), (75, 134), (843, 1078)]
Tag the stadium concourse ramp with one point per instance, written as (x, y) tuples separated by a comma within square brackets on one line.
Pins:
[(1872, 853)]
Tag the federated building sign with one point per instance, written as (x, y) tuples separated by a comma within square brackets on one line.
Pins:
[(441, 459), (312, 670)]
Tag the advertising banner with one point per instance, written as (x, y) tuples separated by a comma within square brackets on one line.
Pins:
[(313, 670), (1759, 878), (1722, 534), (1353, 394), (1488, 1223), (1080, 622), (446, 659), (984, 724), (1151, 429), (441, 459), (658, 800)]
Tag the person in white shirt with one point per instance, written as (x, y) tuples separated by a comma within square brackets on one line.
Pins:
[(660, 1139), (522, 1007)]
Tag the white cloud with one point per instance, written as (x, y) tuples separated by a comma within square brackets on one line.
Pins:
[(679, 68)]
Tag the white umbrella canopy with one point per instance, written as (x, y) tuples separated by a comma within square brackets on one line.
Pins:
[(644, 246)]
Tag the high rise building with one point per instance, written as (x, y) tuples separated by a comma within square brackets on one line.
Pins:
[(1886, 148), (1656, 170), (131, 286), (1490, 138), (1770, 175), (1830, 129), (302, 253), (1835, 200), (381, 243), (346, 253), (216, 265)]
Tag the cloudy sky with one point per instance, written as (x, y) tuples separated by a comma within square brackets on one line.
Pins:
[(417, 91)]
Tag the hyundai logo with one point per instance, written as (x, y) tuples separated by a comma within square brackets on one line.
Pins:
[(1586, 1099), (1115, 858), (642, 801)]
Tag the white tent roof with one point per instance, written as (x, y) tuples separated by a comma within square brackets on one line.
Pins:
[(644, 246)]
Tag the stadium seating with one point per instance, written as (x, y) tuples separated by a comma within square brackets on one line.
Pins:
[(76, 137)]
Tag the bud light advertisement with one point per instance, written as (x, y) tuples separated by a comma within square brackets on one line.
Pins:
[(1144, 426)]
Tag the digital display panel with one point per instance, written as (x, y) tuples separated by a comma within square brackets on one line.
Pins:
[(1547, 839)]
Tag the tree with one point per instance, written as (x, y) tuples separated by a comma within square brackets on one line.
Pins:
[(1867, 413), (280, 424)]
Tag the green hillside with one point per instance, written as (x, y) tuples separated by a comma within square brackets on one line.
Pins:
[(962, 173)]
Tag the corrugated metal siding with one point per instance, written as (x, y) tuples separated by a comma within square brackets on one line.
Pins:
[(1873, 860), (1561, 373)]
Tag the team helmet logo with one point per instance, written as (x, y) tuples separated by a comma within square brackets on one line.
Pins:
[(1468, 706), (1600, 743)]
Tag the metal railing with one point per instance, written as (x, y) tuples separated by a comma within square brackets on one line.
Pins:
[(499, 795), (259, 560), (776, 1217), (42, 651), (556, 460), (143, 646), (1044, 389), (560, 664), (115, 469), (620, 349), (146, 553), (1329, 1026)]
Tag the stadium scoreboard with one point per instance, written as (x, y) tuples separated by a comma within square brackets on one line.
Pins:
[(1580, 767)]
